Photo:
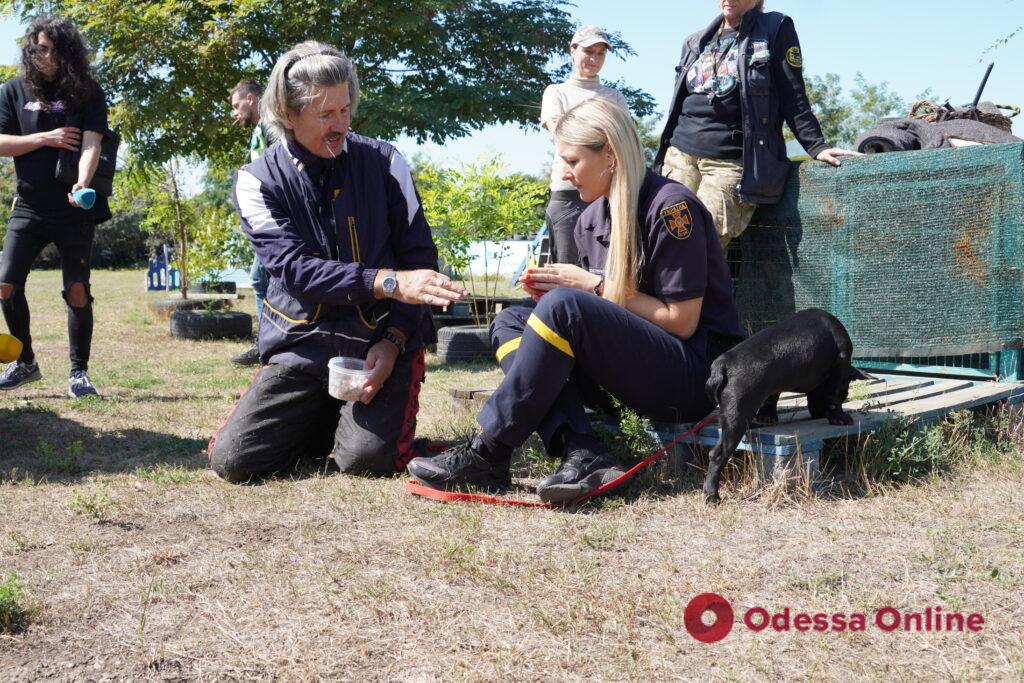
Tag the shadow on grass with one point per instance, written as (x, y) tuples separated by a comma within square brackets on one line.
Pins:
[(39, 444)]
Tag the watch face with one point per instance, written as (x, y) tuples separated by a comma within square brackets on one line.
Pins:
[(389, 284)]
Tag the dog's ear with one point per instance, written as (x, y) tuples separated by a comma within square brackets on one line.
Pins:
[(858, 374)]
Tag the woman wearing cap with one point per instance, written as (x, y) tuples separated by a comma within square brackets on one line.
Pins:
[(652, 292), (588, 50), (736, 82)]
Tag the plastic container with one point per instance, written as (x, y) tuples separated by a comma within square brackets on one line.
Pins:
[(85, 197), (346, 378)]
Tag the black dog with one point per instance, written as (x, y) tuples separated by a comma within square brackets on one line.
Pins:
[(808, 353)]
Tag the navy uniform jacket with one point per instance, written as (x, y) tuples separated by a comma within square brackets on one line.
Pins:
[(323, 228), (682, 257)]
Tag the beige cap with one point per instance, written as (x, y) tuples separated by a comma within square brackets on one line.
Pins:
[(588, 35)]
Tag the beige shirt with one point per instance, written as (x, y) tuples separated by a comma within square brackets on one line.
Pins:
[(560, 98)]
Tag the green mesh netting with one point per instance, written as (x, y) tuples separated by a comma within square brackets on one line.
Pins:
[(918, 253)]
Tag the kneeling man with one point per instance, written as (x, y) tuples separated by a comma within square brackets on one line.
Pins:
[(337, 223)]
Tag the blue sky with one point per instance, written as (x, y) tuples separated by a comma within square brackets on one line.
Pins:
[(913, 45)]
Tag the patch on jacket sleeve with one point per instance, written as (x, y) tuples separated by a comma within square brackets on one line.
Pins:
[(678, 220), (794, 58)]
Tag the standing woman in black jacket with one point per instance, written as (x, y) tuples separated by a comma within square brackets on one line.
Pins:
[(56, 105), (737, 81)]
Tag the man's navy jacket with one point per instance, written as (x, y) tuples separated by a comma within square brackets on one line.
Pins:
[(323, 228)]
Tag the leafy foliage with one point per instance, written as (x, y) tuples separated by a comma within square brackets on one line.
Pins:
[(844, 118), (650, 135), (8, 190), (156, 190), (477, 202), (217, 241), (97, 504), (435, 69), (13, 605)]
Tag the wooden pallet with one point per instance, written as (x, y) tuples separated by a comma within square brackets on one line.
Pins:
[(798, 438)]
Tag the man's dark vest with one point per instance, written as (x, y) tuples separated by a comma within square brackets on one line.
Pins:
[(765, 164)]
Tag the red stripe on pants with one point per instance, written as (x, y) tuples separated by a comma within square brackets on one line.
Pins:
[(412, 407), (224, 422)]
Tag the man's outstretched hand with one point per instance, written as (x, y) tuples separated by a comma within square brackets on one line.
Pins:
[(421, 287)]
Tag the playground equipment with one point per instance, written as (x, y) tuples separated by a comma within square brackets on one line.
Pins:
[(160, 276)]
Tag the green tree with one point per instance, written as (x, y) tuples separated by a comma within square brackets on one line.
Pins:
[(433, 69), (650, 135), (832, 111), (156, 191), (844, 118), (477, 202)]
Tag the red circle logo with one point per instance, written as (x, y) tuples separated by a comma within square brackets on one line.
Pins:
[(708, 602)]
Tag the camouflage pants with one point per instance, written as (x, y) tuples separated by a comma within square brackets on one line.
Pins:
[(714, 182)]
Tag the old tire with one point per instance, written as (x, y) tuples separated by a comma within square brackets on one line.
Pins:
[(211, 325), (464, 344), (164, 308)]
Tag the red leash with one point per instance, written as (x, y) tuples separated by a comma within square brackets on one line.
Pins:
[(461, 497)]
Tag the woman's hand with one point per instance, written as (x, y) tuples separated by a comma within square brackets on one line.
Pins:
[(421, 287), (67, 137), (71, 195), (380, 361), (830, 155), (554, 275)]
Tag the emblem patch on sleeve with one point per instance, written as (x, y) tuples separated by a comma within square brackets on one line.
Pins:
[(794, 58), (678, 220)]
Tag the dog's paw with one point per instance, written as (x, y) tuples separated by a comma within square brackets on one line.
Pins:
[(840, 418), (712, 498)]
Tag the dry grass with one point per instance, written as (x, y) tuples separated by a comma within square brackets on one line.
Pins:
[(143, 566)]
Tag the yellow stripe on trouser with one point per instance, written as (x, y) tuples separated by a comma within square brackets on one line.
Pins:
[(549, 335), (507, 348)]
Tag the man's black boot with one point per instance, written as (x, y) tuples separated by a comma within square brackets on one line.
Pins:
[(470, 464)]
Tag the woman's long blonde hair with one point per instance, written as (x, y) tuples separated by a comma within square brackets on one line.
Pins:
[(593, 124)]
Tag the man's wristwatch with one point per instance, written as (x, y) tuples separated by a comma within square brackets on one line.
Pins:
[(599, 287), (395, 339), (389, 284)]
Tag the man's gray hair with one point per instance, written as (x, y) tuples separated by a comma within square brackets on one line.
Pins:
[(298, 77)]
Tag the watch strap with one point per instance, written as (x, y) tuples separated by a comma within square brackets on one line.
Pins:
[(396, 339)]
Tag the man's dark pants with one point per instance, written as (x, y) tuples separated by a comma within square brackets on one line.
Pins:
[(286, 414)]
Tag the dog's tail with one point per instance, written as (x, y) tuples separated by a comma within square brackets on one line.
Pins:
[(716, 383)]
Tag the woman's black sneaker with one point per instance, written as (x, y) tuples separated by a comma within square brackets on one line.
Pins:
[(582, 471), (461, 467)]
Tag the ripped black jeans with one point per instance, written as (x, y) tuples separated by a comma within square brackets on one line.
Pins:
[(27, 234)]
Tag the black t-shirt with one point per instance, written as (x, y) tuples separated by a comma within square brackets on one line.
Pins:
[(683, 258), (711, 120), (21, 113)]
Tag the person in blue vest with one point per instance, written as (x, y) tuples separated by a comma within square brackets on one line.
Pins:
[(335, 219), (643, 316), (736, 82)]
